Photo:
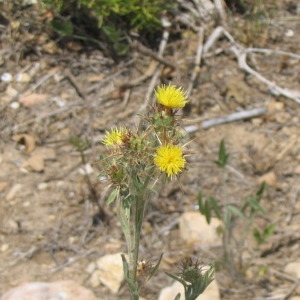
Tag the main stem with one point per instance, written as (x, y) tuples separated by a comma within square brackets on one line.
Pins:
[(141, 201)]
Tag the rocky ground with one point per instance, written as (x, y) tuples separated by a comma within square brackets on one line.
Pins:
[(53, 92)]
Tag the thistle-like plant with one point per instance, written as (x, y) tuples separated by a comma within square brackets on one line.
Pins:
[(134, 162)]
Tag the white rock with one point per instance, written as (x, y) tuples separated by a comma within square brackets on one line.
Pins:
[(66, 290), (6, 77), (289, 33), (86, 169), (15, 105), (293, 269), (110, 271), (169, 293), (194, 229)]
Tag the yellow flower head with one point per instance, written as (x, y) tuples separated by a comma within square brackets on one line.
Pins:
[(169, 159), (114, 137), (171, 96)]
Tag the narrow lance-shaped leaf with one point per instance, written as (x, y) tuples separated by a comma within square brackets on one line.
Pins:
[(207, 212), (256, 206), (112, 196), (235, 211), (222, 156), (215, 206)]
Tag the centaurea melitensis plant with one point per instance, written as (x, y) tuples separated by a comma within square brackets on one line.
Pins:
[(136, 159)]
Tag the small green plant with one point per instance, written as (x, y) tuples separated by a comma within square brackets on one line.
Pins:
[(223, 156), (227, 213), (115, 18), (261, 236), (134, 162), (194, 278)]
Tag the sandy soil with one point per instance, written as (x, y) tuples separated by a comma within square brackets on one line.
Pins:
[(51, 228)]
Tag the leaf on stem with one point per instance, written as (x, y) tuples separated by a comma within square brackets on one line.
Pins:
[(112, 196), (207, 206), (222, 156)]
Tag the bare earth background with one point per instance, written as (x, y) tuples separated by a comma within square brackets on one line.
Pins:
[(51, 228)]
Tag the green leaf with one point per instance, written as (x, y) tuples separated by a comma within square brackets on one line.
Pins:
[(112, 196), (215, 206), (207, 212), (260, 192), (255, 205), (257, 236), (222, 156), (155, 269), (177, 278), (235, 211), (261, 237), (207, 206), (269, 230), (63, 27)]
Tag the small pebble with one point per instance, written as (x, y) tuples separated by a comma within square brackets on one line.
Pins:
[(42, 186), (289, 33), (86, 169), (14, 105), (51, 217), (6, 77), (4, 247)]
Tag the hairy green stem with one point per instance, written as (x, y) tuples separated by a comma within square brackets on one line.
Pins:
[(140, 205)]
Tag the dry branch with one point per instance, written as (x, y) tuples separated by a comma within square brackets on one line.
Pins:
[(242, 115), (197, 60), (157, 71), (241, 55)]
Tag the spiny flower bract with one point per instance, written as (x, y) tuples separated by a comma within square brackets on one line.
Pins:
[(114, 137), (169, 159), (170, 96)]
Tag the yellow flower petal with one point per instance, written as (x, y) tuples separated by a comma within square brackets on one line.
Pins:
[(169, 159), (171, 96), (114, 137)]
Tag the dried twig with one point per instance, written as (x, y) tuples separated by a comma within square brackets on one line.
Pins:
[(242, 115), (157, 71), (22, 256), (219, 4), (73, 81), (241, 55), (271, 51), (156, 56), (273, 87), (71, 260), (197, 60)]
